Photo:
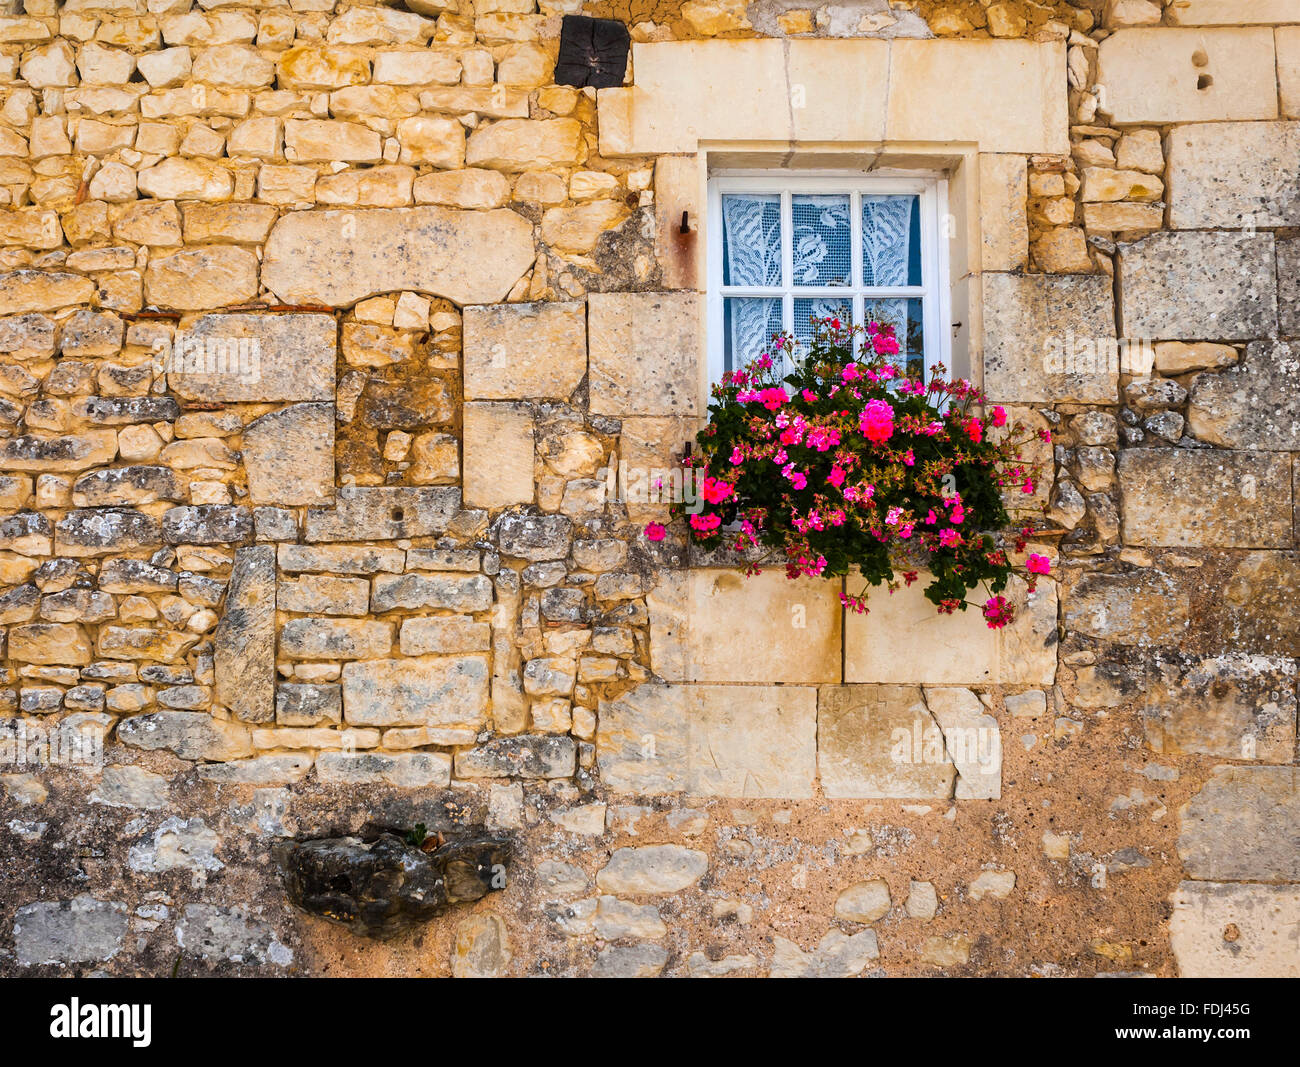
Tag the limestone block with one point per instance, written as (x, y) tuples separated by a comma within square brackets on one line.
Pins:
[(1233, 12), (289, 456), (878, 741), (1234, 706), (255, 356), (121, 486), (338, 258), (403, 770), (1163, 75), (525, 144), (1145, 607), (383, 513), (244, 642), (972, 740), (233, 66), (652, 869), (34, 290), (1263, 916), (749, 741), (416, 592), (310, 66), (716, 625), (335, 639), (1048, 339), (186, 179), (1252, 405), (418, 691), (1287, 40), (1244, 825), (677, 189), (192, 735), (74, 452), (471, 189), (1199, 286), (1004, 225), (1233, 175), (527, 756), (340, 559), (201, 278), (902, 639), (417, 68), (428, 139), (499, 449), (645, 353), (327, 140), (1007, 96), (1179, 498), (518, 351), (577, 229)]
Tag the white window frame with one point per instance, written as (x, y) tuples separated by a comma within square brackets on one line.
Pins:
[(934, 290)]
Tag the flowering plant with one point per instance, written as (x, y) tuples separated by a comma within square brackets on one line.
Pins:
[(848, 463)]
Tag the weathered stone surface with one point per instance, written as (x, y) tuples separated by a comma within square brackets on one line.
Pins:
[(74, 452), (903, 639), (1244, 825), (98, 532), (652, 869), (630, 961), (308, 705), (1180, 498), (131, 787), (192, 735), (451, 592), (1003, 224), (1240, 65), (716, 625), (142, 642), (255, 357), (34, 290), (535, 537), (341, 559), (259, 770), (1049, 338), (498, 446), (517, 351), (49, 642), (1258, 607), (1199, 286), (324, 595), (876, 741), (444, 635), (482, 948), (338, 258), (126, 486), (1233, 706), (207, 524), (365, 513), (421, 691), (1252, 405), (525, 144), (526, 756), (627, 762), (200, 278), (644, 352), (1264, 918), (1144, 607), (335, 639), (1233, 175), (289, 456), (81, 930), (386, 887), (244, 641), (403, 770)]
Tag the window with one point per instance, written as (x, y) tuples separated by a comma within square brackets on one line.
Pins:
[(785, 248)]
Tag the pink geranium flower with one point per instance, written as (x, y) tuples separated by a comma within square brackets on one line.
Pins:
[(655, 531)]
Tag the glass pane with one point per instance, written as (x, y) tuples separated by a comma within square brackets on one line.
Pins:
[(748, 324), (909, 327), (823, 240), (751, 239), (891, 240), (807, 308)]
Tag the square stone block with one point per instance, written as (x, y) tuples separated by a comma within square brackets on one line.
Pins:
[(716, 625), (646, 353), (903, 639), (878, 742), (1233, 12), (710, 740), (520, 351), (498, 449), (1050, 338), (418, 691), (1265, 916), (254, 357), (1199, 287), (1234, 175), (1177, 498), (1162, 75)]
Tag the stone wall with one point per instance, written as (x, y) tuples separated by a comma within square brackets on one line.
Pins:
[(334, 338)]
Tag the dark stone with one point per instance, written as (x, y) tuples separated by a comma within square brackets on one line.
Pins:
[(592, 52), (208, 524), (244, 644), (385, 887), (93, 530), (534, 537), (405, 405), (135, 576), (123, 410), (127, 485)]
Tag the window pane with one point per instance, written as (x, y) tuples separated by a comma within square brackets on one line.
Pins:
[(807, 308), (823, 240), (751, 239), (909, 327), (748, 324), (891, 240)]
